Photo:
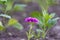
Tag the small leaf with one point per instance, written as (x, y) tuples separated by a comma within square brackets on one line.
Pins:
[(41, 23), (12, 22), (27, 33), (19, 7), (15, 23), (52, 15), (39, 30), (3, 0), (1, 23), (1, 26), (45, 15), (6, 16), (53, 21), (9, 5), (56, 18)]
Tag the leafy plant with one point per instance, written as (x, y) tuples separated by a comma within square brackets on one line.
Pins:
[(46, 20), (7, 7)]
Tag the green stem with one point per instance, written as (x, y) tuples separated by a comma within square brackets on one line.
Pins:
[(44, 32), (43, 35), (29, 33)]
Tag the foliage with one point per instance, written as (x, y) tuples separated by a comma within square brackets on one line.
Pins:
[(44, 4), (5, 16), (7, 7), (19, 7), (30, 32), (46, 20), (15, 23), (1, 26)]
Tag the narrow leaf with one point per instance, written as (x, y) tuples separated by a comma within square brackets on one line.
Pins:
[(39, 30), (6, 16), (1, 26)]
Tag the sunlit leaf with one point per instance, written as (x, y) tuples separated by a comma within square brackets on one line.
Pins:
[(3, 0), (12, 21), (6, 16), (15, 23), (9, 5), (46, 17)]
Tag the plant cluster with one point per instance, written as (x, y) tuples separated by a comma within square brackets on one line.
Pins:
[(7, 6), (46, 20), (43, 19)]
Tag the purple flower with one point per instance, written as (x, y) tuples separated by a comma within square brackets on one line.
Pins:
[(31, 19)]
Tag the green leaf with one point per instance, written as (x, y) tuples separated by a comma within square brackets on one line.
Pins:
[(6, 16), (19, 7), (18, 26), (51, 2), (1, 26), (3, 0), (46, 16), (9, 5), (44, 4), (52, 15), (38, 15), (15, 23), (39, 30), (52, 22), (12, 22)]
